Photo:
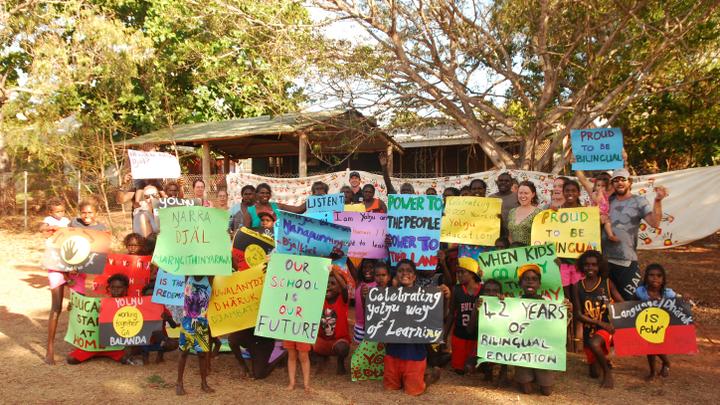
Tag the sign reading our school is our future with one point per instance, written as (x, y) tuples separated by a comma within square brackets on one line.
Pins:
[(597, 148)]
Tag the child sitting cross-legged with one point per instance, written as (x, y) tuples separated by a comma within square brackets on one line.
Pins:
[(334, 337)]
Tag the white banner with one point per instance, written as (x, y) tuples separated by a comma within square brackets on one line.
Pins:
[(689, 213), (153, 165)]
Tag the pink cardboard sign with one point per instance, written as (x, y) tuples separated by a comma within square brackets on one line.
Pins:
[(367, 239)]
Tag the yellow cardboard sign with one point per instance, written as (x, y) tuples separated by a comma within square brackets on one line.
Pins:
[(235, 301), (572, 230), (359, 207), (471, 220)]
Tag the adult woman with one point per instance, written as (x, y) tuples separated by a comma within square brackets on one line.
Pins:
[(372, 204), (144, 221), (521, 217), (263, 192), (222, 199), (247, 194), (199, 192), (556, 197)]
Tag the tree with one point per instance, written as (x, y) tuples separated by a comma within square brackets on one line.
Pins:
[(537, 67)]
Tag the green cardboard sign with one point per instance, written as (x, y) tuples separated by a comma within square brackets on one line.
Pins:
[(522, 332), (292, 298), (502, 266), (194, 241), (368, 361), (83, 324)]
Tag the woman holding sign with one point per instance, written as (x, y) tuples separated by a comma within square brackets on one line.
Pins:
[(263, 193), (520, 218)]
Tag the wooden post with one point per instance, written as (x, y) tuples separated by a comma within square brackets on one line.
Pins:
[(226, 164), (389, 153), (302, 155), (206, 165)]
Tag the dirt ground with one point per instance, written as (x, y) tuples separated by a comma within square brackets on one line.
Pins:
[(25, 378)]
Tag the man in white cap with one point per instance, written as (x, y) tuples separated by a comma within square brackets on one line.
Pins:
[(626, 212)]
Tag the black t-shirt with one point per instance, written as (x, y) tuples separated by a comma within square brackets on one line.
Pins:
[(464, 305)]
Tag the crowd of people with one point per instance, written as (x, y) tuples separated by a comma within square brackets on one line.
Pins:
[(591, 283)]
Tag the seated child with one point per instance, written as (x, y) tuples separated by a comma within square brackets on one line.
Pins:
[(159, 341), (491, 288), (334, 337)]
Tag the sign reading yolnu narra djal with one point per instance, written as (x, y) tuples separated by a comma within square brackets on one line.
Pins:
[(572, 230)]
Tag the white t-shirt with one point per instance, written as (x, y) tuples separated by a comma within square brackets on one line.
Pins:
[(61, 223)]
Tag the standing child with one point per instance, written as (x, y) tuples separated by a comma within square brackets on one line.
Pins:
[(365, 280), (88, 216), (267, 222), (462, 305), (334, 337), (195, 333), (653, 288)]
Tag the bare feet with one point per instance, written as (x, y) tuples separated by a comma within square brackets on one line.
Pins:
[(433, 376), (50, 359), (179, 390), (593, 370), (291, 386), (341, 368), (206, 388), (308, 389), (607, 381), (650, 376), (665, 370)]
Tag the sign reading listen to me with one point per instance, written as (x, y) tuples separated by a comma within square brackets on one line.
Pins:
[(153, 165)]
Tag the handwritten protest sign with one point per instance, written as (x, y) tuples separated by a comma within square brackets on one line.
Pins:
[(194, 241), (502, 265), (522, 332), (368, 361), (250, 248), (153, 165), (293, 297), (83, 327), (471, 220), (367, 239), (235, 301), (414, 226), (572, 230), (136, 268), (653, 327), (169, 289), (169, 202), (129, 321), (597, 148), (84, 250), (297, 234), (404, 315), (324, 203), (472, 250)]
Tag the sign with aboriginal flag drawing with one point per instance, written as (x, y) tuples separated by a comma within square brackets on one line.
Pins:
[(522, 332), (573, 230), (194, 241), (404, 315), (414, 227), (297, 234), (292, 298), (83, 250), (502, 266), (368, 361), (471, 220), (664, 326), (597, 148), (235, 300), (250, 248), (83, 329), (129, 321), (367, 239), (136, 268)]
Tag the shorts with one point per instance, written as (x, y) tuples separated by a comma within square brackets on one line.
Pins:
[(543, 378), (82, 355), (299, 346), (462, 349), (195, 335), (358, 333), (57, 278), (569, 274), (607, 343), (324, 347), (408, 375)]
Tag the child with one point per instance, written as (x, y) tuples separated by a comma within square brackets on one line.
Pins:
[(491, 288), (159, 341), (382, 276), (653, 288), (600, 195), (462, 305), (267, 222), (195, 333), (88, 216), (405, 363), (117, 287), (365, 280), (334, 338), (591, 299), (134, 244), (297, 350)]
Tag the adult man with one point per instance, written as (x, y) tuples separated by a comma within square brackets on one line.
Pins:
[(509, 199), (355, 187), (626, 212)]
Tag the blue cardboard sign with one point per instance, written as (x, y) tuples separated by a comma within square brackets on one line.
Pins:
[(169, 289), (414, 227), (597, 148), (324, 203), (300, 235)]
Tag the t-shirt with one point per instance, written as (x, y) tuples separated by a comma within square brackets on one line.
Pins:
[(625, 217), (642, 294), (594, 301), (76, 223), (359, 308), (464, 305), (60, 223), (406, 351), (509, 201), (334, 320), (197, 297)]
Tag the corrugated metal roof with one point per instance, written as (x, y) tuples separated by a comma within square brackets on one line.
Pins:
[(442, 135)]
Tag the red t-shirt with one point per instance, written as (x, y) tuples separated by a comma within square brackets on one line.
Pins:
[(334, 320)]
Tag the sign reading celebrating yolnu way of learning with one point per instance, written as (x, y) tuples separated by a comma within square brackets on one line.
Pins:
[(83, 326), (297, 234), (368, 233), (367, 362), (404, 315), (293, 297), (169, 289), (235, 301), (129, 321), (653, 327), (136, 268), (502, 265), (597, 148), (522, 332), (573, 230), (250, 248), (194, 241), (471, 220), (84, 250), (414, 226)]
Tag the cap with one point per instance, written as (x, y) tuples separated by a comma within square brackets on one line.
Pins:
[(528, 267), (620, 173), (355, 174), (469, 264)]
